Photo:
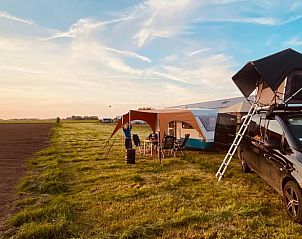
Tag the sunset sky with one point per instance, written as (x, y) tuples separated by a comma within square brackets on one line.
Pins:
[(75, 57)]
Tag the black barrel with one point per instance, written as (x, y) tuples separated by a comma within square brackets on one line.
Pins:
[(130, 157)]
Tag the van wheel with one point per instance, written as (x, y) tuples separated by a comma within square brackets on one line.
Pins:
[(293, 201), (244, 167)]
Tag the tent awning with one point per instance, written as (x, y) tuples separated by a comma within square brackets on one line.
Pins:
[(158, 119), (271, 69)]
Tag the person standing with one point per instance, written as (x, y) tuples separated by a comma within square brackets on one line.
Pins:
[(127, 133)]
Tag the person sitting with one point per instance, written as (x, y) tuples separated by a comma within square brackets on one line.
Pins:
[(154, 140)]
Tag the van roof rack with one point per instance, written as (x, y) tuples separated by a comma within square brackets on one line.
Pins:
[(280, 108)]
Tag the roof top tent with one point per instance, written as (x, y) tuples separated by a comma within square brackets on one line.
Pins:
[(277, 78), (201, 120)]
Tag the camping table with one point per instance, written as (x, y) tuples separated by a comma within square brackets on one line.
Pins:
[(146, 143)]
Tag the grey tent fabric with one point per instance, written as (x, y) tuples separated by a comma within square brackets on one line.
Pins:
[(271, 69)]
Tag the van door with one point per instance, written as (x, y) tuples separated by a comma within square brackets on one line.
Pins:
[(272, 161), (225, 130), (252, 143)]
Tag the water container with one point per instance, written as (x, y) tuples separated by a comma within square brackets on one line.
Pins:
[(130, 156)]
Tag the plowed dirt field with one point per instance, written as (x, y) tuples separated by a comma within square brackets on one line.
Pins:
[(17, 144)]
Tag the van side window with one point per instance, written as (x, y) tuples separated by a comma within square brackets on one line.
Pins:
[(274, 131), (254, 128)]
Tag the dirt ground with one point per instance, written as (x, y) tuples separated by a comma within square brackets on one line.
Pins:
[(17, 143)]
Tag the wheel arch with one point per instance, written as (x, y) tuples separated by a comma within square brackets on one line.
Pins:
[(287, 179)]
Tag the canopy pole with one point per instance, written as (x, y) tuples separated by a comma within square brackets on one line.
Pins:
[(130, 123), (123, 135), (159, 140)]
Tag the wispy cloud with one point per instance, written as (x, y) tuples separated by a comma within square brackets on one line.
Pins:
[(129, 54), (252, 20), (162, 19), (85, 26), (294, 41), (14, 18), (193, 53)]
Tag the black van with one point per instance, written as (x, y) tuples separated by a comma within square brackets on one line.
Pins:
[(272, 147)]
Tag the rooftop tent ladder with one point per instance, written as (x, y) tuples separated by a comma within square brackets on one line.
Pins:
[(277, 79)]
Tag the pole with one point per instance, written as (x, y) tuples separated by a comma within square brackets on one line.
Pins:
[(130, 143), (123, 135)]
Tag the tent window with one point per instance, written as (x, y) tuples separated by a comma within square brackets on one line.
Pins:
[(186, 126), (209, 122), (293, 86)]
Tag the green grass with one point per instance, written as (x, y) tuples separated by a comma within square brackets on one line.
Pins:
[(72, 191)]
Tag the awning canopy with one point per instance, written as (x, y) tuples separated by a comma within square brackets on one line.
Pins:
[(158, 119), (272, 70)]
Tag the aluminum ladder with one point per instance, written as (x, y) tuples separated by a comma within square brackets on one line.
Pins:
[(232, 150)]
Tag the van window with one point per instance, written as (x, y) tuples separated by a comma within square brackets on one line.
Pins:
[(254, 129), (295, 126), (209, 122), (274, 130), (227, 120)]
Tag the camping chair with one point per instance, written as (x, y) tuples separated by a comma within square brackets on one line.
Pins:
[(181, 146), (168, 146), (137, 142)]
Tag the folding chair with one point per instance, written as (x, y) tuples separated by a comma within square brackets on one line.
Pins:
[(137, 142), (168, 146), (181, 146)]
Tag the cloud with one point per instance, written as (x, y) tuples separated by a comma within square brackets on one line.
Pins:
[(85, 26), (294, 41), (162, 19), (129, 54), (145, 56), (13, 18), (252, 20), (198, 51)]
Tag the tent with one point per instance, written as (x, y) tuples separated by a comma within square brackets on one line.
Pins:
[(158, 119), (242, 107), (276, 78)]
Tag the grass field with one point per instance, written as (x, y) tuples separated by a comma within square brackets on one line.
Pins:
[(73, 192)]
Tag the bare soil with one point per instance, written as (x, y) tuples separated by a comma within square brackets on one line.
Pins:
[(17, 144)]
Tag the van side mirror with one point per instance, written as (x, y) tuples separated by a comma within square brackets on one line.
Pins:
[(271, 144)]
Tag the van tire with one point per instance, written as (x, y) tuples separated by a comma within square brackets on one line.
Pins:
[(244, 167), (293, 201)]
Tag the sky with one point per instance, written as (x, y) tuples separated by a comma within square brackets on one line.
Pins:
[(104, 57)]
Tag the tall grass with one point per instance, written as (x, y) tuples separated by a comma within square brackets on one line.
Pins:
[(73, 191)]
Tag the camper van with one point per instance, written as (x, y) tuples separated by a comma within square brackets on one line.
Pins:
[(206, 120), (272, 147)]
